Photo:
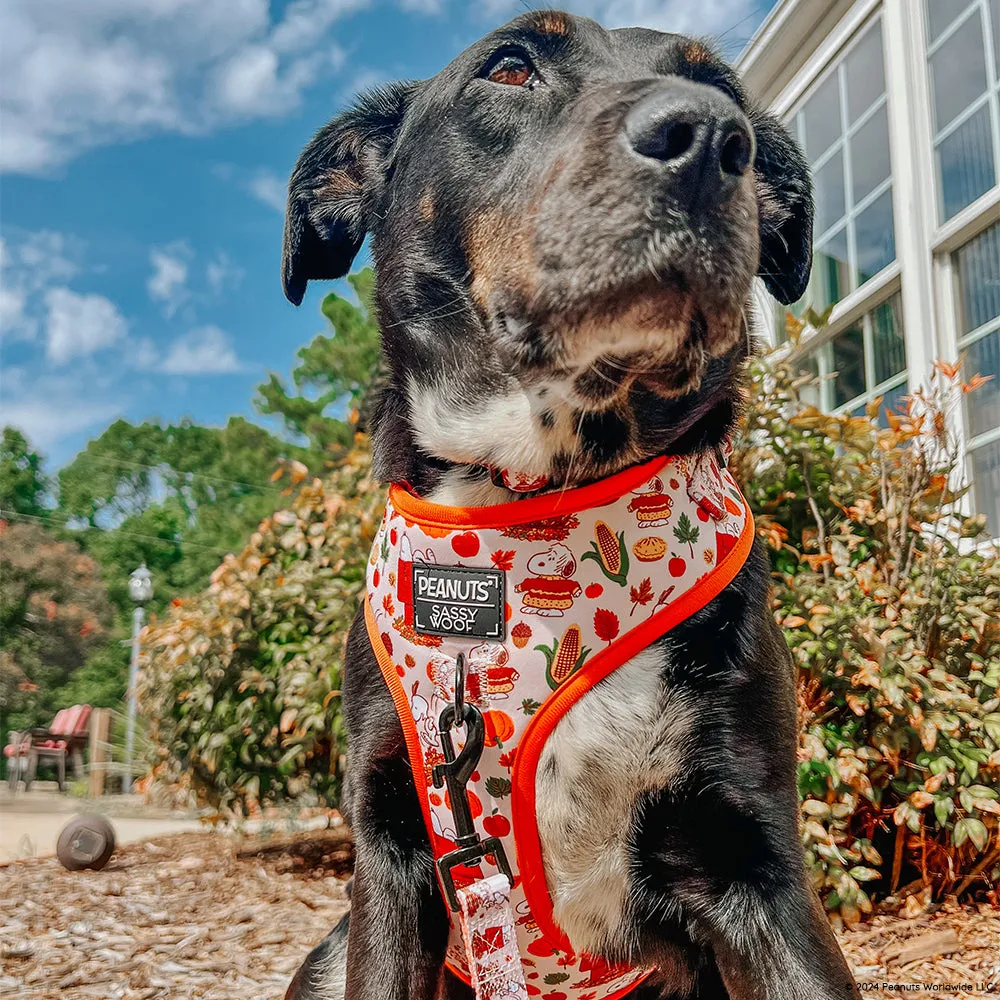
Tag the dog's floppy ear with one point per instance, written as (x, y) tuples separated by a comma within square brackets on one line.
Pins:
[(333, 185), (785, 205)]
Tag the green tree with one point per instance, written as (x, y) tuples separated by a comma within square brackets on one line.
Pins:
[(334, 373), (175, 496), (54, 612), (23, 484)]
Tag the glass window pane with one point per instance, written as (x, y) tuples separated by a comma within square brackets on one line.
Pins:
[(995, 18), (983, 405), (865, 74), (965, 160), (888, 346), (870, 155), (821, 118), (892, 400), (958, 71), (986, 484), (941, 13), (873, 232), (828, 189), (848, 357), (830, 279), (979, 276)]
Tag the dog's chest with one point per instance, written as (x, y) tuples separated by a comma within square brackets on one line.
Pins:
[(625, 737)]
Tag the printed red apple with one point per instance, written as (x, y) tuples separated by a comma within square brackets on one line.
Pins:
[(496, 825), (676, 566), (594, 590), (466, 544)]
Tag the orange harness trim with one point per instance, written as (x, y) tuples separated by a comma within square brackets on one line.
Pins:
[(587, 557)]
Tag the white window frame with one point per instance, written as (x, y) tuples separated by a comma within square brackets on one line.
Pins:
[(924, 271), (948, 237), (815, 346), (990, 97)]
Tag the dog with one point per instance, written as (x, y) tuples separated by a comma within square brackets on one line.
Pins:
[(565, 224)]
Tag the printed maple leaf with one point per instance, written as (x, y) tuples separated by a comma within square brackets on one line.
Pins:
[(606, 624), (388, 604), (641, 595), (686, 532), (498, 787), (503, 559)]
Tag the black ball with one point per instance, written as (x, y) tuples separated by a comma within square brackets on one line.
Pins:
[(86, 842)]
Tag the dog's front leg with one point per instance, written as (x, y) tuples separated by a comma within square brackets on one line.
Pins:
[(398, 925), (776, 944)]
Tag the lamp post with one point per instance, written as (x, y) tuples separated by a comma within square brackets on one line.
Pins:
[(140, 589)]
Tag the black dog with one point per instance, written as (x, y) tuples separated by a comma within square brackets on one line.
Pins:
[(565, 224)]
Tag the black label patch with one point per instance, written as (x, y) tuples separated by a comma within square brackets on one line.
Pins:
[(458, 600)]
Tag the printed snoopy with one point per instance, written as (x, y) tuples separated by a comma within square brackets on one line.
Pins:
[(550, 592)]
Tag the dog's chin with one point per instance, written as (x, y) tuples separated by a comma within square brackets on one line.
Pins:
[(666, 351)]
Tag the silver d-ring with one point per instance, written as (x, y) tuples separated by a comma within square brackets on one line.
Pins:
[(459, 690)]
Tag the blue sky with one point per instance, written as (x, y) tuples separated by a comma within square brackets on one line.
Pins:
[(146, 145)]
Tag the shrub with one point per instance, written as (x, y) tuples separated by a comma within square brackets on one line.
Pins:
[(240, 684), (892, 612), (889, 598)]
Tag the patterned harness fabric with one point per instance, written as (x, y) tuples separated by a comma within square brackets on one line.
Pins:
[(544, 597)]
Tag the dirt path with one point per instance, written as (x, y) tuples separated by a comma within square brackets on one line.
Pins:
[(204, 917)]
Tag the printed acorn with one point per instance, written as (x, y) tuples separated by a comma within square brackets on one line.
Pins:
[(520, 634), (610, 553), (566, 655)]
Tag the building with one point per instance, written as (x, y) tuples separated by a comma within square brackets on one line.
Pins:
[(897, 105)]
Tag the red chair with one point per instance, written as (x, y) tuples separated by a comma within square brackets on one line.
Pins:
[(65, 737)]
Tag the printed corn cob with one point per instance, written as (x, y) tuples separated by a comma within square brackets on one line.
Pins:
[(566, 655), (610, 553)]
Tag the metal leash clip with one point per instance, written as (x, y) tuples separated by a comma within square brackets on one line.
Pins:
[(456, 772)]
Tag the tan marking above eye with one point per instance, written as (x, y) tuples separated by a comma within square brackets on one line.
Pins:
[(552, 22), (698, 53), (427, 207)]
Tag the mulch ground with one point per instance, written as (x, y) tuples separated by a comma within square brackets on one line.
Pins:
[(208, 917), (200, 916)]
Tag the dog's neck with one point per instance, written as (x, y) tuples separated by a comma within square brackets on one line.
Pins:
[(409, 442)]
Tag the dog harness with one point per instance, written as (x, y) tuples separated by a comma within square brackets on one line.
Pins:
[(489, 624)]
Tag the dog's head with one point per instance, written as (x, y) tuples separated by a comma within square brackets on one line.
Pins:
[(565, 225)]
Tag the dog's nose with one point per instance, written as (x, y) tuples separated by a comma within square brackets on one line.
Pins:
[(703, 141)]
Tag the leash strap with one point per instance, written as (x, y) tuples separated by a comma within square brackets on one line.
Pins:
[(490, 940)]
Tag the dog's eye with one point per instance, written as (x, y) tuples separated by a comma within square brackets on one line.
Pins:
[(511, 67), (727, 87)]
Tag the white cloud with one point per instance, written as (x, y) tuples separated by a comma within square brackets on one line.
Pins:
[(168, 282), (221, 273), (30, 263), (423, 6), (142, 355), (269, 188), (206, 350), (79, 325), (12, 315), (76, 75), (48, 409)]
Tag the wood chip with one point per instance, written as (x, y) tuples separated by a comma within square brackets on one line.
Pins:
[(925, 946)]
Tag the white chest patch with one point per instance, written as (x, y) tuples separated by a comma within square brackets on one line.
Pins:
[(625, 737)]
